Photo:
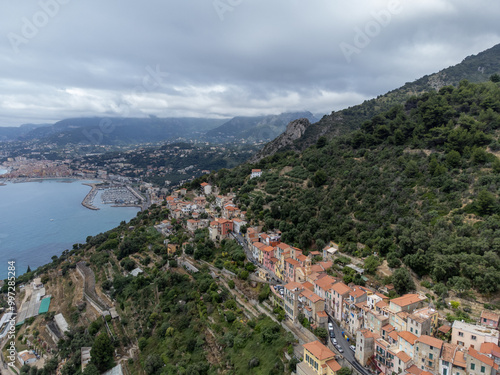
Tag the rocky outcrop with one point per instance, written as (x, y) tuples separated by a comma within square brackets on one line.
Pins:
[(294, 130)]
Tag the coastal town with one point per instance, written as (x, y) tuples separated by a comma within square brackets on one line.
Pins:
[(368, 326)]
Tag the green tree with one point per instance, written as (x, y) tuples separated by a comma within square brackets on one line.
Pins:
[(102, 352), (485, 203), (402, 281), (371, 264), (344, 371), (321, 333), (90, 369), (495, 78)]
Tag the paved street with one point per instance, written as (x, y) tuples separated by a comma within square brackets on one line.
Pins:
[(348, 353)]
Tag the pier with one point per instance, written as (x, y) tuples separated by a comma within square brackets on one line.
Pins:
[(89, 198)]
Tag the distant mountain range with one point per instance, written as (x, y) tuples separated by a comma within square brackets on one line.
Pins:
[(127, 131), (475, 68), (260, 128)]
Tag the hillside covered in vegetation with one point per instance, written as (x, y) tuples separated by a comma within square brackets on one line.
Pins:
[(418, 184), (476, 69)]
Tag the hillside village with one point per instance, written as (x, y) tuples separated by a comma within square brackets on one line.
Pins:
[(404, 335)]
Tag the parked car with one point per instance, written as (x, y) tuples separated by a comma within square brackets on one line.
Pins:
[(352, 347), (330, 326), (339, 348), (332, 334), (334, 341)]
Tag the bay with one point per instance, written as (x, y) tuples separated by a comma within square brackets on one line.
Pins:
[(41, 219)]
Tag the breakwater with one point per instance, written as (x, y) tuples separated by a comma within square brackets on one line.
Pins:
[(89, 198)]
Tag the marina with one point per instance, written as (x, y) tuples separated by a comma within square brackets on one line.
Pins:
[(116, 195)]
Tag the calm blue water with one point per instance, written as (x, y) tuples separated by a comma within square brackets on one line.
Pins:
[(42, 219)]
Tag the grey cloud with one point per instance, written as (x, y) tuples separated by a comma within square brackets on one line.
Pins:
[(92, 58)]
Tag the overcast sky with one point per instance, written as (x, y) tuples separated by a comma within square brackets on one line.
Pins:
[(223, 58)]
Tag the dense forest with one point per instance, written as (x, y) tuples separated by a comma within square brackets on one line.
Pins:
[(418, 183)]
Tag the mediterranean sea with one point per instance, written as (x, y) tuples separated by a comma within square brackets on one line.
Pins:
[(41, 219)]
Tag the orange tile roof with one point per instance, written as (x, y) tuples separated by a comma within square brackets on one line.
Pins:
[(274, 260), (320, 351), (326, 265), (301, 258), (394, 335), (388, 328), (292, 261), (444, 329), (258, 245), (313, 253), (431, 341), (308, 285), (268, 249), (448, 351), (406, 300), (357, 292), (490, 315), (325, 282), (317, 268), (459, 359), (381, 304), (414, 370), (340, 288), (403, 356), (283, 246), (293, 285), (322, 314), (490, 348), (480, 357), (311, 296), (407, 336), (334, 365)]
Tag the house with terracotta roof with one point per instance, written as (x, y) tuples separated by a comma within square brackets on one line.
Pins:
[(256, 173), (311, 305), (339, 292), (479, 364), (289, 269), (267, 254), (317, 359), (491, 350), (406, 342), (402, 362), (291, 294), (472, 335), (423, 321), (365, 346), (489, 319), (399, 320), (192, 225), (407, 302), (207, 188), (375, 321), (256, 249), (384, 356), (427, 353), (452, 360)]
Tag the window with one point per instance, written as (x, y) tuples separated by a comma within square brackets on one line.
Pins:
[(445, 371), (461, 343), (473, 337), (411, 329), (460, 334), (430, 364), (416, 332), (431, 356), (472, 366), (483, 369)]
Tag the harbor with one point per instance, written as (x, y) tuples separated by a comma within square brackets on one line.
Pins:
[(116, 195)]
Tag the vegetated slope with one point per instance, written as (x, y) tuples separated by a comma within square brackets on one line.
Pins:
[(173, 321), (475, 68), (118, 131), (419, 183), (259, 128)]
